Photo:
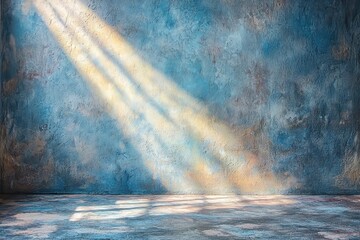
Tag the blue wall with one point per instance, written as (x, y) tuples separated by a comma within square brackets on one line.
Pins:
[(181, 97), (1, 97)]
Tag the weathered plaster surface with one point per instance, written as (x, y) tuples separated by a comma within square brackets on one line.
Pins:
[(1, 97), (212, 97)]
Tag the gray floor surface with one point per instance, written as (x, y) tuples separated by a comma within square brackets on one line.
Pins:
[(179, 217)]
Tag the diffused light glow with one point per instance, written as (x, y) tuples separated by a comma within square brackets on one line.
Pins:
[(153, 112), (165, 205)]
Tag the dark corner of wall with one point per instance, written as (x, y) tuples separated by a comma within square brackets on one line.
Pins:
[(1, 98)]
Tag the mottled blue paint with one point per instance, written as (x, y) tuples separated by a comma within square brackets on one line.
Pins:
[(270, 47), (286, 73)]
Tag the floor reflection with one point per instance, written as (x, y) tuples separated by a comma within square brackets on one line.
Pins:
[(179, 217)]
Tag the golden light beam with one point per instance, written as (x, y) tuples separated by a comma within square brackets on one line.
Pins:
[(117, 106), (225, 143), (134, 99), (183, 109), (185, 116)]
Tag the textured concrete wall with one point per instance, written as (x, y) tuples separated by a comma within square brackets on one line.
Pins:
[(181, 96), (1, 97)]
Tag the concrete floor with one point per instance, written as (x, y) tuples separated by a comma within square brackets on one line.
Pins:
[(179, 217)]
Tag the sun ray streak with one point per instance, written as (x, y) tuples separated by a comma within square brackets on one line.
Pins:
[(152, 117), (140, 97), (108, 91), (182, 108)]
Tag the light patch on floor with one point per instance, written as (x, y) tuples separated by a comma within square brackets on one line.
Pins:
[(179, 217)]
